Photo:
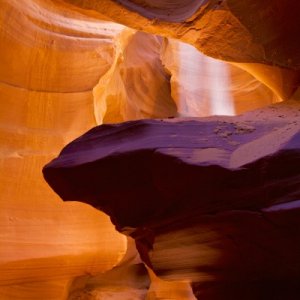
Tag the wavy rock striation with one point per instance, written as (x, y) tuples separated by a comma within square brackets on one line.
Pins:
[(137, 85), (66, 67), (50, 59), (203, 86), (248, 31), (259, 35)]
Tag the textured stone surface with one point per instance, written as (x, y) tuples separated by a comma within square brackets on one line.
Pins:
[(202, 86), (44, 52), (129, 280), (249, 32), (137, 85), (66, 67), (212, 200)]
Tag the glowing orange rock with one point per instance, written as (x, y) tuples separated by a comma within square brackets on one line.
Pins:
[(44, 243), (65, 68), (250, 32)]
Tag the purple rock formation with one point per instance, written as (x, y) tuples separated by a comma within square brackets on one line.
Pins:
[(212, 200)]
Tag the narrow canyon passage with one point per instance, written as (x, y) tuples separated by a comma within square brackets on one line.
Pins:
[(160, 206)]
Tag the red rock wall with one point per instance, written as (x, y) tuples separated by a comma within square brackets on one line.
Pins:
[(65, 67)]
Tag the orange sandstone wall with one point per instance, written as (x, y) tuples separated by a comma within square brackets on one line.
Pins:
[(65, 66)]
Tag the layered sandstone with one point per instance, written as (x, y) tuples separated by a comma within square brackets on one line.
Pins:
[(213, 201), (65, 67), (261, 36), (45, 52)]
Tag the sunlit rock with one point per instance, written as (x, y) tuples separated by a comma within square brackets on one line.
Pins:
[(203, 86), (248, 31), (163, 289), (129, 280), (213, 201), (65, 67), (137, 85), (245, 32), (46, 101)]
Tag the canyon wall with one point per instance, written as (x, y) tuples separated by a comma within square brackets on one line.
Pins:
[(67, 66)]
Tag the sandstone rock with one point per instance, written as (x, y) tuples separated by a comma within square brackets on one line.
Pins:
[(65, 68), (203, 86), (45, 50), (137, 85), (129, 280), (163, 289), (250, 32), (212, 200)]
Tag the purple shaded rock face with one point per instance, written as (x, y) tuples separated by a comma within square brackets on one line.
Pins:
[(215, 200)]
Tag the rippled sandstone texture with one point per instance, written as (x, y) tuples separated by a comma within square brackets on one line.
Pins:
[(250, 33), (214, 201), (46, 102), (65, 67)]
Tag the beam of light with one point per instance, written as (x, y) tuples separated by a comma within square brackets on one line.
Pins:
[(204, 84), (221, 100)]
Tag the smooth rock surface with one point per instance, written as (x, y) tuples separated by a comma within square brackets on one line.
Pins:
[(254, 34), (129, 280), (212, 200), (231, 30), (65, 67), (50, 60), (137, 85), (203, 86)]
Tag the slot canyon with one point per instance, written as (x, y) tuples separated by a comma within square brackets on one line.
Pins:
[(149, 150)]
